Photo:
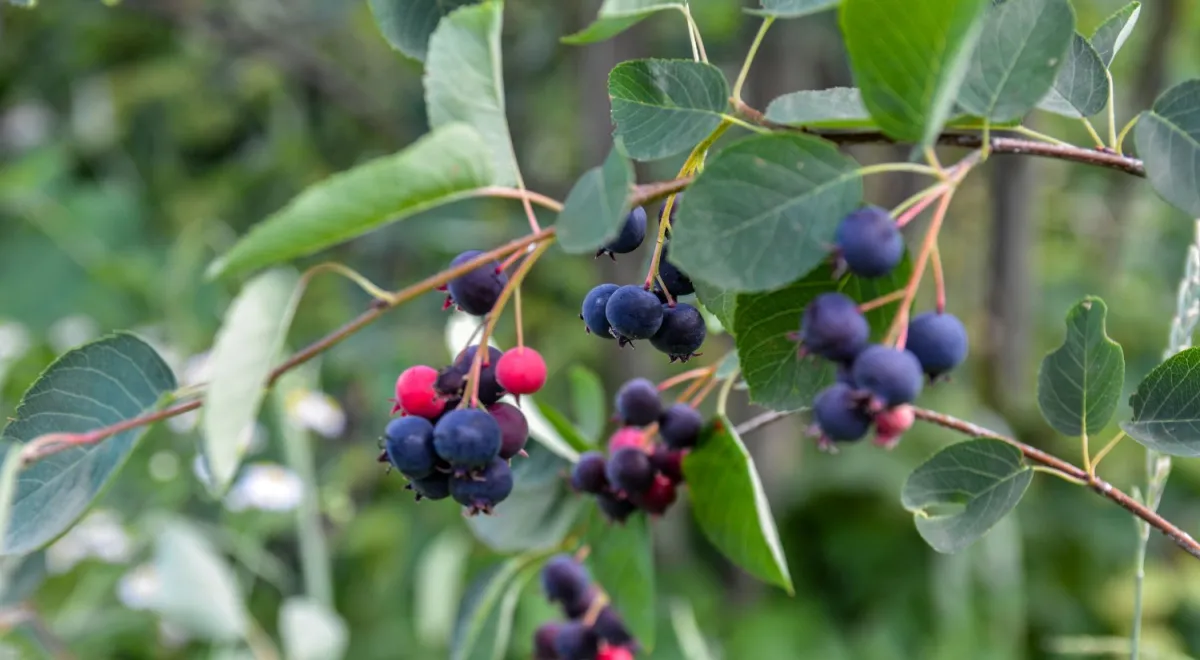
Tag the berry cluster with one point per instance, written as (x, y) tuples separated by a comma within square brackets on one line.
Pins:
[(594, 631), (634, 475), (632, 312), (445, 450)]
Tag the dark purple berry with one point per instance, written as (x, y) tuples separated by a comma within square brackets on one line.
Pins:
[(840, 414), (938, 340), (629, 471), (680, 426), (891, 376), (633, 313), (658, 497), (543, 641), (452, 380), (678, 284), (434, 487), (638, 403), (869, 242), (576, 641), (588, 474), (565, 580), (408, 442), (468, 439), (833, 328), (481, 492), (575, 609), (615, 508), (593, 312), (514, 430), (681, 333), (477, 290), (633, 232), (668, 462), (611, 628)]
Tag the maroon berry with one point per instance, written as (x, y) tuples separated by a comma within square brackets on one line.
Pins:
[(659, 497), (514, 429), (669, 462)]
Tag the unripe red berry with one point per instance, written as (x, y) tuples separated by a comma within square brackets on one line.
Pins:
[(415, 394), (521, 370), (626, 437), (891, 423), (614, 653)]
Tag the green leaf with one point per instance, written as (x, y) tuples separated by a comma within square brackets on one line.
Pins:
[(1112, 33), (622, 561), (198, 591), (588, 401), (565, 429), (1022, 46), (1166, 406), (1079, 384), (664, 107), (730, 506), (722, 303), (244, 352), (764, 211), (407, 24), (106, 382), (311, 631), (540, 510), (963, 490), (616, 16), (441, 167), (909, 59), (20, 577), (9, 470), (793, 8), (839, 107), (485, 615), (1168, 140), (464, 82), (1081, 85), (597, 206)]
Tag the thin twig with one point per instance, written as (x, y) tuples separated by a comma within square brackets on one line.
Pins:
[(759, 421)]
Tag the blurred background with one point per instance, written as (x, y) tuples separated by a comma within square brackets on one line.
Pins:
[(139, 140)]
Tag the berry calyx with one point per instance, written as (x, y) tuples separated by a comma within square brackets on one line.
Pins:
[(840, 414), (633, 313), (521, 370), (434, 487), (633, 232), (481, 492), (576, 641), (468, 439), (593, 311), (892, 376), (514, 428), (833, 328), (415, 393), (627, 436), (617, 510), (938, 340), (869, 243), (476, 291), (682, 332), (588, 474), (891, 423), (630, 472), (565, 580), (408, 442), (680, 426), (638, 403), (658, 497)]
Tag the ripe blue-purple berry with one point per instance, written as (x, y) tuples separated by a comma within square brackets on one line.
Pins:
[(633, 313), (611, 628), (869, 242), (680, 426), (576, 641), (681, 333), (514, 429), (833, 328), (593, 312), (588, 474), (678, 283), (434, 487), (629, 471), (938, 340), (638, 403), (891, 376), (476, 291), (481, 492), (409, 445), (840, 413), (565, 580), (614, 508), (633, 232), (468, 439)]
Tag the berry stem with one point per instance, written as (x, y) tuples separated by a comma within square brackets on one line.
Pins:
[(723, 395), (349, 273), (684, 377), (881, 301), (709, 386), (694, 387), (670, 299), (884, 168), (510, 260), (925, 193), (939, 278), (750, 55), (517, 313), (931, 195), (899, 327), (1112, 112), (1092, 131), (521, 194)]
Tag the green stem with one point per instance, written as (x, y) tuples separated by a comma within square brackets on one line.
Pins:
[(723, 395), (349, 273), (750, 55), (1029, 132), (761, 130), (1112, 112), (1065, 477), (1124, 131), (1092, 131), (698, 52), (916, 197), (883, 168)]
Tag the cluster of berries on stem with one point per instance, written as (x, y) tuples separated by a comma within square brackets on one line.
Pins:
[(594, 629)]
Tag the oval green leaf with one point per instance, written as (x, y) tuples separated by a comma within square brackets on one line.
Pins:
[(539, 512), (485, 615), (1168, 140), (1014, 64), (1079, 384), (1112, 33), (622, 562), (722, 303), (730, 506), (597, 206), (246, 347), (964, 490), (616, 16), (1166, 408), (1081, 85), (564, 431), (664, 107), (106, 382), (407, 24), (442, 167), (793, 8), (909, 61), (764, 211), (198, 591), (838, 107)]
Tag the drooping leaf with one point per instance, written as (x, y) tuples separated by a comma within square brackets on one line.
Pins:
[(564, 429), (199, 591), (722, 303), (440, 168), (464, 81), (540, 510), (588, 401), (622, 561), (1079, 384), (909, 59), (20, 576), (1081, 85), (407, 24), (963, 490), (764, 211), (1014, 65), (1166, 406), (730, 506), (1112, 33), (106, 382), (1168, 140), (597, 206), (664, 107), (616, 16), (794, 8), (251, 337), (838, 107), (311, 631), (485, 615)]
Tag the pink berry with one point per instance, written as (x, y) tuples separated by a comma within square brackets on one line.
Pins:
[(891, 423), (614, 653), (521, 370), (415, 394), (626, 437)]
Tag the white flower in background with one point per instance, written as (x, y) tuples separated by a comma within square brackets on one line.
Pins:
[(172, 635), (26, 126), (265, 487), (316, 411), (100, 536), (71, 331), (139, 588), (14, 341)]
